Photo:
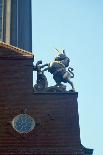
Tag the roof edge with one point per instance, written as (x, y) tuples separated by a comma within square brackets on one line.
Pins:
[(16, 49)]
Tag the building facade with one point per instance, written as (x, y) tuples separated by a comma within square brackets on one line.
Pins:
[(16, 23), (34, 123)]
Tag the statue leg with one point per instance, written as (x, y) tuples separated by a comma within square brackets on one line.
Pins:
[(67, 77), (72, 85)]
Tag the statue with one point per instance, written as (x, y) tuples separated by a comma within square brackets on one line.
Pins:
[(58, 69), (41, 82)]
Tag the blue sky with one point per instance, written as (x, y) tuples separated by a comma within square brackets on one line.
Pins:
[(77, 27)]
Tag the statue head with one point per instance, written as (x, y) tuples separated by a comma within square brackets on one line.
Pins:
[(62, 56)]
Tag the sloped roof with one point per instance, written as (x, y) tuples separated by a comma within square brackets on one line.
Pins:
[(13, 50)]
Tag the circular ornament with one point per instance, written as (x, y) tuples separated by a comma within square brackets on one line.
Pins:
[(23, 123)]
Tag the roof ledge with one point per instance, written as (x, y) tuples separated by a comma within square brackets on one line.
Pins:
[(11, 52)]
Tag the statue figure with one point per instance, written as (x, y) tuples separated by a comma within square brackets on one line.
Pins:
[(58, 69), (41, 82)]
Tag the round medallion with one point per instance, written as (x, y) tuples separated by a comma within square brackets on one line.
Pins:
[(23, 123)]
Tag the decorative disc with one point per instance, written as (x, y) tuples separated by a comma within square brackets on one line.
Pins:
[(23, 123)]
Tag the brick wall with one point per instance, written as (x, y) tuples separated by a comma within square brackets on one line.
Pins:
[(15, 77), (56, 114)]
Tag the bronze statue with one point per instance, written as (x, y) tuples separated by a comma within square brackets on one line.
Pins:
[(58, 69), (41, 82)]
